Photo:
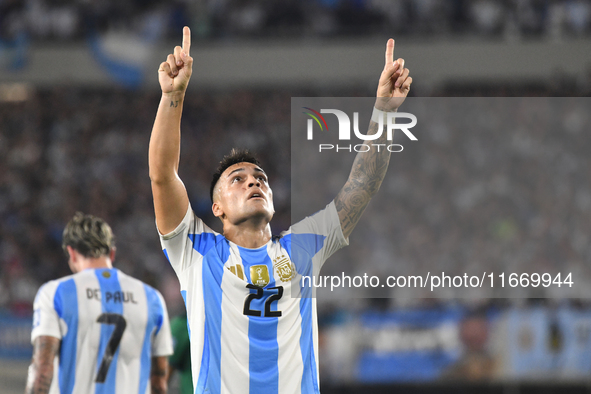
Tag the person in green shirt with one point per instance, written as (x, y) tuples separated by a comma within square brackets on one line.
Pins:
[(181, 359)]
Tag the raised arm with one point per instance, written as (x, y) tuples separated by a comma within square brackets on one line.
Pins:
[(369, 168), (170, 196), (45, 349)]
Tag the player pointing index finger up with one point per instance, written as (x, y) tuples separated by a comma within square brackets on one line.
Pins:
[(394, 83), (175, 72), (187, 40), (248, 334)]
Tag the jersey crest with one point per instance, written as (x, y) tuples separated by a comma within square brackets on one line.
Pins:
[(284, 267)]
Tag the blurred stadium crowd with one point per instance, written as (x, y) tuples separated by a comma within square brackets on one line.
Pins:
[(495, 184), (71, 20)]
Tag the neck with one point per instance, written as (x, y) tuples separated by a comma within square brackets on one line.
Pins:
[(98, 262), (251, 237)]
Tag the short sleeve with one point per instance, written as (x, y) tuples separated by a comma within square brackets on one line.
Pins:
[(325, 226), (162, 343), (179, 244), (45, 318)]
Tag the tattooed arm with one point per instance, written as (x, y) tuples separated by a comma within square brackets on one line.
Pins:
[(45, 349), (158, 375), (369, 168)]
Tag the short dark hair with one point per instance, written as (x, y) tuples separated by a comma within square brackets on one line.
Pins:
[(234, 157), (88, 235)]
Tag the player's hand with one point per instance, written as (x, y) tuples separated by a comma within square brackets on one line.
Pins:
[(394, 83), (175, 72)]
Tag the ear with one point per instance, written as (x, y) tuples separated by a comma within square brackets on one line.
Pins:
[(72, 253), (73, 259), (112, 253), (217, 210)]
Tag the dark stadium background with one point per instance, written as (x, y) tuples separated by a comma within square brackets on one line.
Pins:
[(78, 95)]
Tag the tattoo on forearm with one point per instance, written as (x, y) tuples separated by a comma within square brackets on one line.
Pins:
[(369, 169), (41, 370), (42, 384), (174, 103)]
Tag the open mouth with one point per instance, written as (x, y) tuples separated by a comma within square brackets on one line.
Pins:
[(255, 196)]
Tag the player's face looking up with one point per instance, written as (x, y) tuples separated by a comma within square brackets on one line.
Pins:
[(243, 193)]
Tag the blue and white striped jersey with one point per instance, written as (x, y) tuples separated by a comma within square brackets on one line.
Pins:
[(252, 325), (110, 326)]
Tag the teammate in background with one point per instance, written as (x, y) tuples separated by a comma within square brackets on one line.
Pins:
[(106, 331), (249, 330), (181, 359)]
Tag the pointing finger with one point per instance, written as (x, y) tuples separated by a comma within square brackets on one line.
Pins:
[(187, 40), (390, 52)]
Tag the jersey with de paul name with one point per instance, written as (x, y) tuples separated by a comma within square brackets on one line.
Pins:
[(252, 312), (110, 326)]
